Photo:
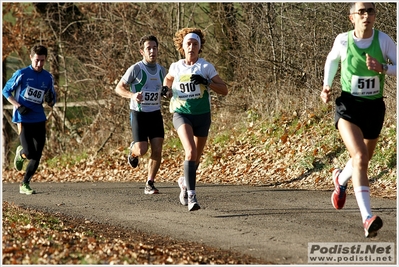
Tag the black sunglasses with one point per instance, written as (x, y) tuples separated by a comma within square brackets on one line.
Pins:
[(370, 11)]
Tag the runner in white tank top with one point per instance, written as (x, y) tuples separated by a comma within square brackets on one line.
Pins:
[(142, 84)]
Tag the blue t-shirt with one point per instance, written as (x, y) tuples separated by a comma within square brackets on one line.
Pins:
[(28, 88)]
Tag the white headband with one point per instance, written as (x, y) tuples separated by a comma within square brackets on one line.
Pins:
[(192, 35)]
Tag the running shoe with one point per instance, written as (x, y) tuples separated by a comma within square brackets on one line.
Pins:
[(183, 191), (132, 160), (338, 197), (193, 203), (18, 160), (372, 225), (24, 188), (150, 189)]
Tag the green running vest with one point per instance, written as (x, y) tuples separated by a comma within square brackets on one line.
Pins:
[(356, 79)]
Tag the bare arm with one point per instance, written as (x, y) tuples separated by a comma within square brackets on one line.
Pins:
[(218, 85), (122, 89), (168, 80)]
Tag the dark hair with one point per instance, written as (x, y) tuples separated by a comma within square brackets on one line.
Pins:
[(147, 38), (38, 50)]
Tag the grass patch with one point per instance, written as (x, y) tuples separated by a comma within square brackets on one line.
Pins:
[(173, 142), (60, 162), (221, 139)]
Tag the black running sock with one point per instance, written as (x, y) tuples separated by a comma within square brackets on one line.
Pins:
[(30, 170), (190, 174)]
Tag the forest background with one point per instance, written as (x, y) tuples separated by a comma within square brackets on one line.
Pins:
[(272, 129)]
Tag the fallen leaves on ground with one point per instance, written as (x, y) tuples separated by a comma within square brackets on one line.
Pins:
[(300, 155), (33, 237)]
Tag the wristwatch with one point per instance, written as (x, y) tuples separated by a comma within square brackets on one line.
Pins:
[(384, 68)]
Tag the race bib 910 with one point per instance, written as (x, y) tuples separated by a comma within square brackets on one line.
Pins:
[(34, 95), (188, 90), (365, 85)]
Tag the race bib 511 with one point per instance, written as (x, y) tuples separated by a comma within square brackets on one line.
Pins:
[(365, 85)]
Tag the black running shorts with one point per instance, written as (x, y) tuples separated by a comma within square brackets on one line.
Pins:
[(200, 123), (368, 115), (146, 125)]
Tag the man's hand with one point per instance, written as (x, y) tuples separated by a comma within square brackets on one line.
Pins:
[(373, 64), (198, 79), (49, 98), (138, 97), (326, 93), (23, 110)]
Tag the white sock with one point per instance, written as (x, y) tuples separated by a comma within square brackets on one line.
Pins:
[(346, 173), (362, 194), (191, 192)]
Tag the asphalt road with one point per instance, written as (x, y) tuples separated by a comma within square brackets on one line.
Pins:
[(272, 224)]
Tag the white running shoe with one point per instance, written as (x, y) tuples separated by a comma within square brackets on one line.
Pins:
[(183, 191), (193, 203)]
